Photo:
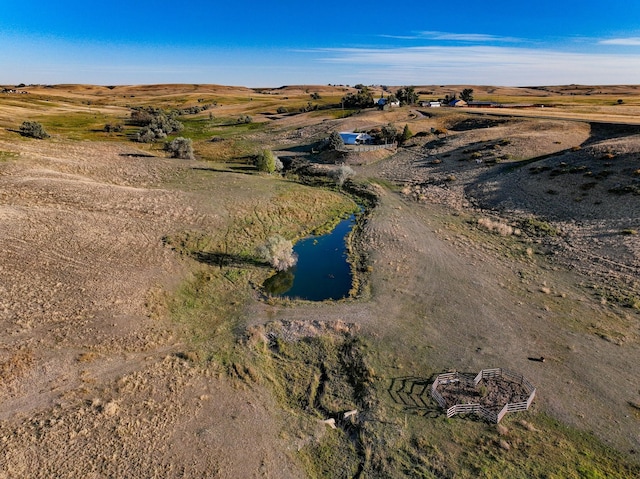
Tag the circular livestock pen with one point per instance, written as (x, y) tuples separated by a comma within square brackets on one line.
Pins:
[(490, 394)]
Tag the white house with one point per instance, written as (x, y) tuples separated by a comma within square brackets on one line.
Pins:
[(431, 104), (352, 138)]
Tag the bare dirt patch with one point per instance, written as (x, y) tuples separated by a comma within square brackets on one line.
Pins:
[(90, 383)]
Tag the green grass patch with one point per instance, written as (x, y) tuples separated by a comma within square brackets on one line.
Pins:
[(618, 294), (85, 126), (404, 433), (8, 155), (537, 227)]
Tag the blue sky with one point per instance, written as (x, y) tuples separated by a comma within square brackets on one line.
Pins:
[(262, 44)]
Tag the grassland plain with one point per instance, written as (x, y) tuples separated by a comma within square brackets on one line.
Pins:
[(134, 322)]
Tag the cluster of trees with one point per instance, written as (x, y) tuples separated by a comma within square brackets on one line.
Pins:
[(156, 124), (407, 95), (362, 99), (389, 134), (192, 110), (466, 95)]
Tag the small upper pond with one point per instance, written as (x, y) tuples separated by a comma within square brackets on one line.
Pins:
[(322, 271)]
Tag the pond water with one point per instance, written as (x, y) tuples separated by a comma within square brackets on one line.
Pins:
[(322, 271)]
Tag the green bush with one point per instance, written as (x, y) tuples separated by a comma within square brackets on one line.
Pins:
[(33, 129), (405, 135), (268, 162)]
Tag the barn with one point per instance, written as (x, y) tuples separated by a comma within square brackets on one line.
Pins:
[(353, 138)]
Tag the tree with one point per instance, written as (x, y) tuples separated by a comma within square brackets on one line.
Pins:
[(448, 99), (180, 148), (268, 162), (335, 141), (33, 129), (407, 95), (405, 135), (467, 95), (278, 252), (341, 174), (389, 133)]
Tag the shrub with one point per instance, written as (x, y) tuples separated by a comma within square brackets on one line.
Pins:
[(278, 252), (180, 148), (341, 174), (499, 227), (33, 129), (109, 128), (149, 135), (282, 109), (268, 162)]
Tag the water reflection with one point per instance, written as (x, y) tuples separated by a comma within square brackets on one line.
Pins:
[(322, 271)]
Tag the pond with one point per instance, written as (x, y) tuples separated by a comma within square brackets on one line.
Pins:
[(322, 271)]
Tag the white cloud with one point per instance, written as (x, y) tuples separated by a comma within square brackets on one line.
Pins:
[(483, 65), (466, 37), (630, 41)]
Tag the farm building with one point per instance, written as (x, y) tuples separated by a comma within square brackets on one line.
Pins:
[(384, 103), (457, 103), (483, 104), (431, 104), (352, 138)]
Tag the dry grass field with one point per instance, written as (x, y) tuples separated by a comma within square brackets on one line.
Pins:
[(137, 342)]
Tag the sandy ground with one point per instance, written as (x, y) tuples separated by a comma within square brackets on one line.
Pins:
[(90, 382)]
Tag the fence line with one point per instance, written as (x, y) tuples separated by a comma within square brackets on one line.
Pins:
[(479, 409), (359, 148)]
